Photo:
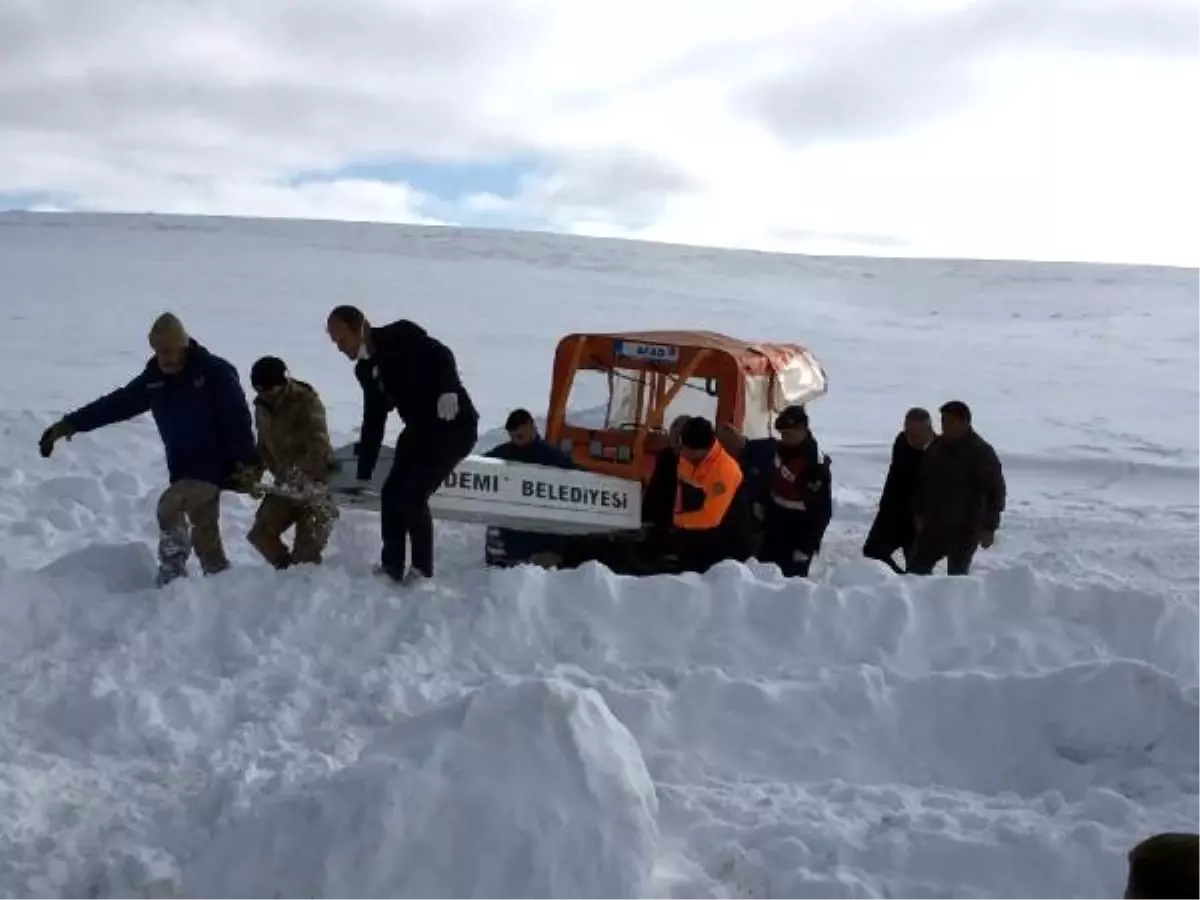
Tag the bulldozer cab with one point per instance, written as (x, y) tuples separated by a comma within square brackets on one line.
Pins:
[(613, 396)]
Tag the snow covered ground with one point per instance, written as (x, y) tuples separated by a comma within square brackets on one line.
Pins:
[(313, 733)]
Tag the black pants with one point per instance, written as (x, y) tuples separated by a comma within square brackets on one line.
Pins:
[(511, 547), (621, 554), (932, 548), (887, 535), (423, 460), (790, 547), (699, 550)]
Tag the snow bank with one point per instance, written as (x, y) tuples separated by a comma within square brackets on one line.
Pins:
[(520, 789), (116, 568), (525, 733)]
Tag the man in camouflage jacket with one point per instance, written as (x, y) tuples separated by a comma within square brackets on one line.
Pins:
[(294, 446)]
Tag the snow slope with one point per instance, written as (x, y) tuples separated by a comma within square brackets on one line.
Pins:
[(523, 733)]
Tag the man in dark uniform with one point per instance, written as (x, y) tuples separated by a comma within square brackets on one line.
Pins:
[(960, 497), (796, 495), (402, 368), (895, 525)]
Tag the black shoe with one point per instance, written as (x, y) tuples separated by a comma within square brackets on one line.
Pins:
[(389, 572)]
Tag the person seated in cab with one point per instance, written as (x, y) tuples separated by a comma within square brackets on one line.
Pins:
[(794, 499), (638, 552), (510, 547), (710, 521), (757, 461), (658, 497)]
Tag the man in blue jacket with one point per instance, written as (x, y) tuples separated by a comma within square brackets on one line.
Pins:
[(507, 546), (204, 421)]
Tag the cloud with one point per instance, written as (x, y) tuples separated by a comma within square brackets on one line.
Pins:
[(262, 85), (1038, 128), (613, 190), (895, 71)]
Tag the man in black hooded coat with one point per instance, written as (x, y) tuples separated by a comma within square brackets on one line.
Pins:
[(895, 525)]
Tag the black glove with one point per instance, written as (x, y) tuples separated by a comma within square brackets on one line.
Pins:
[(52, 435), (246, 476)]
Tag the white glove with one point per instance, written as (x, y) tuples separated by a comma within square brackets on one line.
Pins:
[(447, 406)]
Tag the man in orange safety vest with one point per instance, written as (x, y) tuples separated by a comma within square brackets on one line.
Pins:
[(712, 515)]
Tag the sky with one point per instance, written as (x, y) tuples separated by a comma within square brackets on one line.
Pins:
[(1028, 129)]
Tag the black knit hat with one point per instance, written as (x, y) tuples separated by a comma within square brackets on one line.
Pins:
[(792, 417), (697, 434), (268, 372)]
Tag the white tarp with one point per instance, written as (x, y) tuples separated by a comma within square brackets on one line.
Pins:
[(803, 379)]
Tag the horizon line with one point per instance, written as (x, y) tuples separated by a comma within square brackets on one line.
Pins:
[(904, 256)]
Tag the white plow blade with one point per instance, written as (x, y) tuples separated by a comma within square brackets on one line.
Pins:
[(509, 495)]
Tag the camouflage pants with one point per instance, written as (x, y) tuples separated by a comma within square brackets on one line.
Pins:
[(189, 517), (313, 521)]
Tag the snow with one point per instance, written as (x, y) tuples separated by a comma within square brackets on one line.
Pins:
[(398, 820), (526, 733)]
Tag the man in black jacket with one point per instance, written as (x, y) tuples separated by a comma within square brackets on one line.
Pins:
[(895, 525), (402, 368), (960, 498)]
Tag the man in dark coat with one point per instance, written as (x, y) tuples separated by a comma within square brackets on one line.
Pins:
[(795, 494), (1164, 865), (508, 546), (204, 421), (402, 367), (895, 526), (960, 497)]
